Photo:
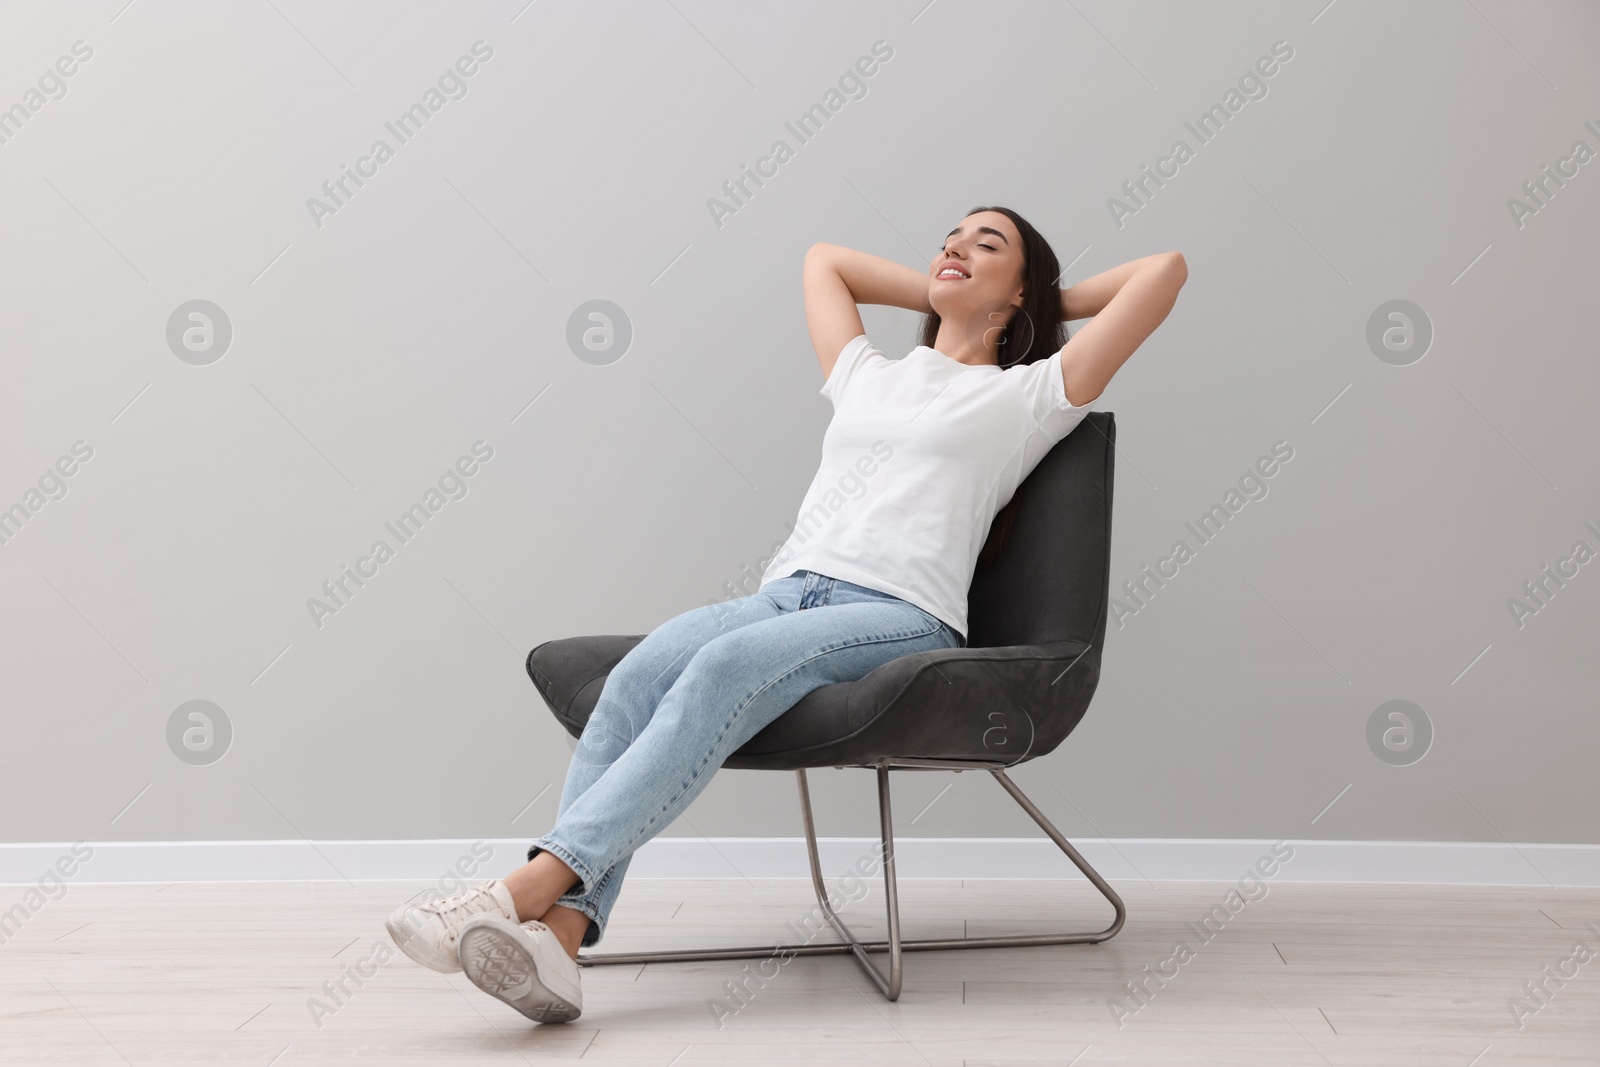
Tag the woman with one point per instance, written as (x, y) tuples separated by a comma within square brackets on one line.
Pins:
[(937, 443)]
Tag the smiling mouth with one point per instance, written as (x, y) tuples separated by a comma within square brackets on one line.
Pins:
[(951, 274)]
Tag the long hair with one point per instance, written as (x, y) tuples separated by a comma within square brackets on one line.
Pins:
[(1034, 331)]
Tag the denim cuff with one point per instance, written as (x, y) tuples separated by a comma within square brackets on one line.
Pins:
[(586, 878), (597, 924)]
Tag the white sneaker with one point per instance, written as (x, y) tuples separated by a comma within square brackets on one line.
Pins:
[(428, 931), (523, 965)]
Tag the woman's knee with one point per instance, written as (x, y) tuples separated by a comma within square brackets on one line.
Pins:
[(632, 693), (713, 658), (731, 665), (649, 666)]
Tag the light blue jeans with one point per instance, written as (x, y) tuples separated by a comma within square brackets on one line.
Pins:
[(692, 693)]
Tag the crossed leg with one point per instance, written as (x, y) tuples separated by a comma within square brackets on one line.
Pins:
[(711, 679), (633, 691)]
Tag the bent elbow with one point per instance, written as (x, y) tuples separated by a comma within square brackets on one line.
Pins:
[(1179, 266), (818, 250)]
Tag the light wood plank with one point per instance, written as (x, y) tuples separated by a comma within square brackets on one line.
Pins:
[(1307, 974)]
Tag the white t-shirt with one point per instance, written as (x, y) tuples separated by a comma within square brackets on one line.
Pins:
[(919, 456)]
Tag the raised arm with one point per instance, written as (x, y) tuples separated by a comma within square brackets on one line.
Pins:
[(1128, 302), (1090, 296), (836, 279)]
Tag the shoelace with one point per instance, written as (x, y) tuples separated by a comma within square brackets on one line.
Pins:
[(474, 900)]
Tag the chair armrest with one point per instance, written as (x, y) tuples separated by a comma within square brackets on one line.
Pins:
[(564, 667)]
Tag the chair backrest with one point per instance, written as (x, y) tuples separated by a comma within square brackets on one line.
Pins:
[(1052, 580)]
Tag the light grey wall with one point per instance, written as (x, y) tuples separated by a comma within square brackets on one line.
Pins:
[(374, 346)]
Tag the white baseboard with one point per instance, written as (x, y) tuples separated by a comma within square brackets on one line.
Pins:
[(1118, 859)]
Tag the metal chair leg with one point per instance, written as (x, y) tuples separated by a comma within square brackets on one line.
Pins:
[(889, 985)]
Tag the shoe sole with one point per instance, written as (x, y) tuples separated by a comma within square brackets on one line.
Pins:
[(503, 968)]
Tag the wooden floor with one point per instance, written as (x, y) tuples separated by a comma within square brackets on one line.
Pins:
[(1310, 974)]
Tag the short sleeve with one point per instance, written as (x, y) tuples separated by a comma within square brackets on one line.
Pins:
[(857, 352), (1046, 394)]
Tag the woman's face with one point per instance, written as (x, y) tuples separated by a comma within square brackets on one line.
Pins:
[(976, 278)]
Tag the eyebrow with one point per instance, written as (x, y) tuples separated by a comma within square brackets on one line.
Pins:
[(981, 229)]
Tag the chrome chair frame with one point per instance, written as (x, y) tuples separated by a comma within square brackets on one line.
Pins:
[(889, 985)]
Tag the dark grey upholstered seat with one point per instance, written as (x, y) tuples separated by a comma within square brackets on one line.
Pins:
[(1037, 621)]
